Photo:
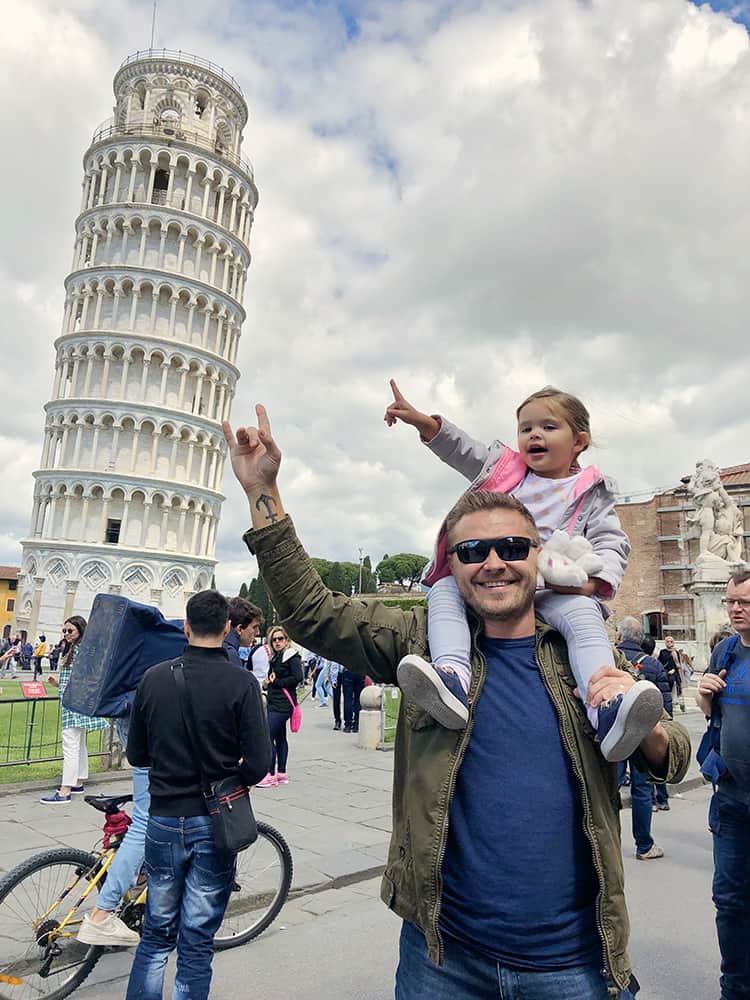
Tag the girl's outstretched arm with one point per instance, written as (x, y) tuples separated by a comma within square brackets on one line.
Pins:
[(401, 409), (453, 446)]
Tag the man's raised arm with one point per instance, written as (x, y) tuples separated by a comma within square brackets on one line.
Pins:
[(367, 637), (255, 462)]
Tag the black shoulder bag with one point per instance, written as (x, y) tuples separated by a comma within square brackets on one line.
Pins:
[(227, 800)]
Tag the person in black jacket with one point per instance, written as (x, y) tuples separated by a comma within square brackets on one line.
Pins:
[(653, 670), (284, 674), (670, 660), (189, 878)]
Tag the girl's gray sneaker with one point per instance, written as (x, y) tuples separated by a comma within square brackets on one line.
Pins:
[(437, 691)]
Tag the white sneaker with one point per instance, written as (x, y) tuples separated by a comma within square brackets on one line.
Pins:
[(110, 932)]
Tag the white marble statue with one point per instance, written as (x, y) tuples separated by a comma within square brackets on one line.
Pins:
[(717, 520)]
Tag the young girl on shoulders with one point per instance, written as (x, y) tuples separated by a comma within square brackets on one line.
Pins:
[(544, 474)]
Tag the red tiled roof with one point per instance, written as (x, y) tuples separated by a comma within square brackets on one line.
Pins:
[(736, 475), (9, 572)]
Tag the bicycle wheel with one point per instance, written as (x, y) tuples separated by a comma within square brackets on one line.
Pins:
[(261, 885), (35, 962)]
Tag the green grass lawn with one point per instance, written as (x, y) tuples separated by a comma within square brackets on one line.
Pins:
[(16, 730), (392, 706)]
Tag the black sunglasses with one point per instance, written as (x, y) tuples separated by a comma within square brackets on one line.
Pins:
[(513, 548)]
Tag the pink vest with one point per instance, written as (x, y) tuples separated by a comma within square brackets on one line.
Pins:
[(506, 474)]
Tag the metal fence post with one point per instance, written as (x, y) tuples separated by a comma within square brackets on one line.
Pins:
[(31, 731)]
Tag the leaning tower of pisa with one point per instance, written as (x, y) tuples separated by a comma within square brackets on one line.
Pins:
[(127, 497)]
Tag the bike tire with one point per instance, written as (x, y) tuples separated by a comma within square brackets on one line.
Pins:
[(67, 857), (267, 836)]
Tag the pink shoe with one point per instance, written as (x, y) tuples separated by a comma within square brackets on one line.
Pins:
[(282, 778), (270, 781)]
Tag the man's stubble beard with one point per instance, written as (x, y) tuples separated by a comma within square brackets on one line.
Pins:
[(517, 609)]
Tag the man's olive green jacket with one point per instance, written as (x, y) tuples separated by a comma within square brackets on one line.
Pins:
[(370, 638)]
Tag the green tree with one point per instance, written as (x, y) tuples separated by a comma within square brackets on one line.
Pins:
[(346, 579), (368, 577), (337, 579), (243, 590), (323, 566), (258, 594), (404, 568)]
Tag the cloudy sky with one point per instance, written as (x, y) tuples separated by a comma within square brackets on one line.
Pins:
[(477, 198)]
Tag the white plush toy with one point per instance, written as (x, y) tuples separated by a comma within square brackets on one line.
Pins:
[(566, 561)]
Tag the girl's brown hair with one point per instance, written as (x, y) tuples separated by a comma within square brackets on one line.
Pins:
[(570, 408)]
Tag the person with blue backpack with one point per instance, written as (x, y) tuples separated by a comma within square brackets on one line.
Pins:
[(724, 697)]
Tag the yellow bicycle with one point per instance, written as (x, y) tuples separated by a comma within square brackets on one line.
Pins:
[(43, 902)]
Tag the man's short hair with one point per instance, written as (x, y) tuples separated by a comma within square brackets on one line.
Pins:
[(740, 576), (207, 613), (242, 612), (648, 645), (474, 501), (630, 630)]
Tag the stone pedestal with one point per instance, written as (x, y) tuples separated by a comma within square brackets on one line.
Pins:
[(371, 702), (707, 588)]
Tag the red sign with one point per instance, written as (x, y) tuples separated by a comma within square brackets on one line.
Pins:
[(33, 689)]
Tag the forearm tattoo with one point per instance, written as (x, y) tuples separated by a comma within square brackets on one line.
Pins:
[(267, 502)]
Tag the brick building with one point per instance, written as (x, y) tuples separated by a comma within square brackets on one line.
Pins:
[(662, 556)]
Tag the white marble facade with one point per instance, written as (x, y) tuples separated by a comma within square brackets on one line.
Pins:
[(127, 497)]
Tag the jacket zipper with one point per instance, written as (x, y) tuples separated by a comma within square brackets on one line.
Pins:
[(451, 785), (588, 828)]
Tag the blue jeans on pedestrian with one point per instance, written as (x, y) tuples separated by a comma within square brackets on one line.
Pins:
[(126, 867), (467, 975), (729, 821), (323, 687), (189, 883), (641, 807)]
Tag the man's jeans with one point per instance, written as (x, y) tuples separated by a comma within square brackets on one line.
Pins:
[(660, 794), (189, 883), (641, 806), (729, 821), (466, 975), (126, 866), (352, 685)]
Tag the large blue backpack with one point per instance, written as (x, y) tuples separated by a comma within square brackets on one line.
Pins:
[(122, 640)]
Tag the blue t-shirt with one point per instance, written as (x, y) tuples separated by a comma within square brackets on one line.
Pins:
[(518, 878), (734, 703)]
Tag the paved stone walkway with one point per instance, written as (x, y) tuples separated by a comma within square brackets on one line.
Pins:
[(335, 813)]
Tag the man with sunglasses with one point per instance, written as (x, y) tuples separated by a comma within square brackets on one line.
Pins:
[(505, 860), (724, 691)]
